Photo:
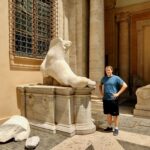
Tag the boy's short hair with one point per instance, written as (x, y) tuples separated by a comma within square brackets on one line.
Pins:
[(109, 67)]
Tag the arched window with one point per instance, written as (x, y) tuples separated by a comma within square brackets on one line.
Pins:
[(32, 24)]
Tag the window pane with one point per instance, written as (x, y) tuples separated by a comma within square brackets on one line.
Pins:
[(23, 27), (31, 27), (42, 26)]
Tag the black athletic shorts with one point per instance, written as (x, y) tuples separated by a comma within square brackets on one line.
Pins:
[(111, 107)]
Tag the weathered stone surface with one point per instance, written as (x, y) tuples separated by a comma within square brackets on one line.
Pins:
[(67, 110), (16, 127), (142, 108), (83, 91), (40, 110), (64, 90), (40, 107), (38, 89), (95, 141), (83, 119), (32, 142)]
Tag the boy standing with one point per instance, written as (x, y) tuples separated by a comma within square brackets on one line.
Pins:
[(110, 88)]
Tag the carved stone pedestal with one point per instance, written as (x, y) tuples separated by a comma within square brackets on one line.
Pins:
[(142, 108), (58, 109), (83, 122)]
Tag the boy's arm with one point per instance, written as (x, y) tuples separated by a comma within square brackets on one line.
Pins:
[(101, 90), (122, 89)]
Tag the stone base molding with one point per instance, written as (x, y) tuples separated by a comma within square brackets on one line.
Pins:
[(56, 108), (142, 108)]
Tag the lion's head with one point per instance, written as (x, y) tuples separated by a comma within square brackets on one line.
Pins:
[(65, 44)]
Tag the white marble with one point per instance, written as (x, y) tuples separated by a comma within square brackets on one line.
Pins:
[(32, 142), (142, 108), (16, 127), (55, 66)]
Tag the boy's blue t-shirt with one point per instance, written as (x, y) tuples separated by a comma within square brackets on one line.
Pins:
[(111, 85)]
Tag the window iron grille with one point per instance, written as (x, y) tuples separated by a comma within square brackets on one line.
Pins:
[(33, 23)]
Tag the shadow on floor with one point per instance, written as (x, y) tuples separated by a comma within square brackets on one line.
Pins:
[(132, 146)]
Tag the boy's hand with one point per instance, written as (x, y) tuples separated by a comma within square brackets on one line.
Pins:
[(115, 95)]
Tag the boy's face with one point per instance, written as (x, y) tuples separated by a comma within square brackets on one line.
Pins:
[(108, 71)]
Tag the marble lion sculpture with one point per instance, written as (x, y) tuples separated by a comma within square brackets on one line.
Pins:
[(55, 66)]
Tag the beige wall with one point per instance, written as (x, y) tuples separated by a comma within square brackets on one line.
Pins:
[(9, 79)]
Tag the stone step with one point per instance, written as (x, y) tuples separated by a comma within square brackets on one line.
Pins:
[(127, 121), (134, 131), (96, 104), (96, 109), (132, 141)]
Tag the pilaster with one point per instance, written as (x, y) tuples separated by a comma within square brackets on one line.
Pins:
[(123, 33), (96, 52)]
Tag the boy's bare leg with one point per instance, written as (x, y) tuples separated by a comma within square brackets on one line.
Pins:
[(116, 121), (109, 120)]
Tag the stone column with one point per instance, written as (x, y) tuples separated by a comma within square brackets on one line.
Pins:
[(96, 54), (123, 20), (82, 37)]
